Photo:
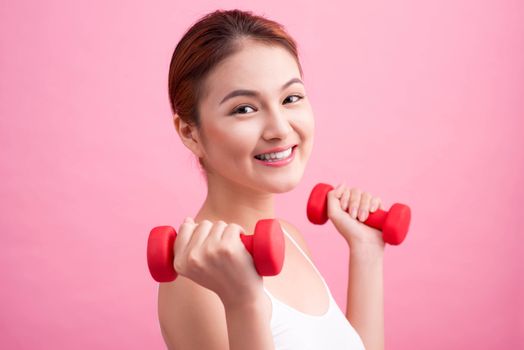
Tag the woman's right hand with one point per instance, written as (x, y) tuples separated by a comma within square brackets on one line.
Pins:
[(212, 255)]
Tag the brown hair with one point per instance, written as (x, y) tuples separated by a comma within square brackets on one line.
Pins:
[(210, 40)]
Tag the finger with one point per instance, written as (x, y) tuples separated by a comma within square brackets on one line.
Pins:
[(215, 234), (344, 200), (199, 235), (231, 239), (363, 211), (185, 231), (232, 233), (354, 202), (333, 202), (375, 203), (339, 190)]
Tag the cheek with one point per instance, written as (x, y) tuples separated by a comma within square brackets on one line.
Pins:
[(233, 142), (307, 129), (307, 124)]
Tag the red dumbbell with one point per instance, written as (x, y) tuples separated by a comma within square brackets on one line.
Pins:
[(266, 246), (394, 223)]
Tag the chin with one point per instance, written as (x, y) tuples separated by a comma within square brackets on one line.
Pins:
[(283, 185)]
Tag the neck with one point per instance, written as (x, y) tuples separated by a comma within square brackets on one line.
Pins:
[(233, 203)]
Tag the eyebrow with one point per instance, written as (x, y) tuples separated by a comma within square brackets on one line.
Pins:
[(253, 93)]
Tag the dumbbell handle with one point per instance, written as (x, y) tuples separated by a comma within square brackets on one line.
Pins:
[(376, 219)]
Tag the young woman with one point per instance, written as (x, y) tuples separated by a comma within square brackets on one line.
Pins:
[(240, 106)]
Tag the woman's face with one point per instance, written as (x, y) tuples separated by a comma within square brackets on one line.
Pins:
[(238, 125)]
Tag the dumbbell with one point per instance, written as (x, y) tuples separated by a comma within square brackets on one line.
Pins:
[(266, 246), (394, 223)]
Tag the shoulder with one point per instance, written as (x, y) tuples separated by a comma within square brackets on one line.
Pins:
[(191, 316), (297, 236)]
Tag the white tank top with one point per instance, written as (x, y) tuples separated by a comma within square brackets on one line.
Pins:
[(295, 330)]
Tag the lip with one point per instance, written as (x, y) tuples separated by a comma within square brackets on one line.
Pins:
[(282, 162), (276, 149)]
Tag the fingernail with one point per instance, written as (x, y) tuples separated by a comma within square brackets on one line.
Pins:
[(361, 215), (354, 212)]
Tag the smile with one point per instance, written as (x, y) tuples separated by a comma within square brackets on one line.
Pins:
[(278, 158), (275, 156)]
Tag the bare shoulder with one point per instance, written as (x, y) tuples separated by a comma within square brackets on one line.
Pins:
[(191, 316), (297, 236)]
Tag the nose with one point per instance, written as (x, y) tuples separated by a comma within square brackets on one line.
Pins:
[(276, 125)]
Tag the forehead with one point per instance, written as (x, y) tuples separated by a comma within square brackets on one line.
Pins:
[(255, 66)]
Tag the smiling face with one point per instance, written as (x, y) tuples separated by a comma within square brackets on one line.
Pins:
[(255, 101)]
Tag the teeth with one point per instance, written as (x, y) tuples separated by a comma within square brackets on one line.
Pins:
[(275, 156)]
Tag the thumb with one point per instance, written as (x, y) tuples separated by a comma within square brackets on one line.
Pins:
[(334, 207)]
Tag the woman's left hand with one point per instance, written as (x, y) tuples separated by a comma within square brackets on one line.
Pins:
[(348, 209)]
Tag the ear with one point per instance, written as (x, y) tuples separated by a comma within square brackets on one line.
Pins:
[(189, 135)]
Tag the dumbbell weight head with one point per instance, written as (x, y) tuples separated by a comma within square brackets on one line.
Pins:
[(267, 247), (317, 204), (396, 224), (160, 253)]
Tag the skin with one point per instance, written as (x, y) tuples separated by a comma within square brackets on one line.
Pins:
[(218, 302)]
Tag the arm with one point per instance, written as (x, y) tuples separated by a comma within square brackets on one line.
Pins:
[(248, 326), (218, 301), (193, 317), (365, 295)]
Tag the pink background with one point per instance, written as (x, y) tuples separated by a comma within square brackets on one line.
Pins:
[(416, 102)]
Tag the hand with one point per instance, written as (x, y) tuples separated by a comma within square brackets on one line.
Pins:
[(212, 255), (348, 209)]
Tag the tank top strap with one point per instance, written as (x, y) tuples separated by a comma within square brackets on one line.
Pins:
[(307, 258)]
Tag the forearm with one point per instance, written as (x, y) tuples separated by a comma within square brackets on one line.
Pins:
[(365, 296), (248, 326)]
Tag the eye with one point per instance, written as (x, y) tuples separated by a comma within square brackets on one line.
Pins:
[(241, 108), (298, 98)]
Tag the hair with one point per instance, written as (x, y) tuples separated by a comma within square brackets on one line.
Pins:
[(210, 40)]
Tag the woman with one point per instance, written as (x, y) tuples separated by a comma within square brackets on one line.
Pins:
[(240, 106)]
